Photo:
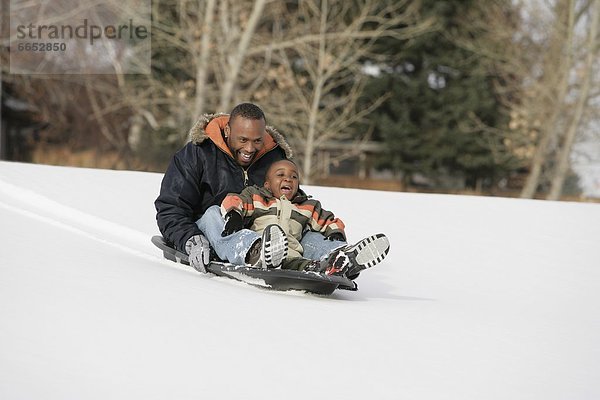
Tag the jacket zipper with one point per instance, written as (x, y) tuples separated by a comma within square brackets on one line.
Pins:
[(246, 179), (245, 171)]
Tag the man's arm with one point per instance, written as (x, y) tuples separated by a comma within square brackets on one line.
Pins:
[(180, 197)]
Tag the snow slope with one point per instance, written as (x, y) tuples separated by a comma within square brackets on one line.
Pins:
[(480, 298)]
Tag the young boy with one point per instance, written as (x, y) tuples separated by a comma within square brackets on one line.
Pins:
[(280, 201)]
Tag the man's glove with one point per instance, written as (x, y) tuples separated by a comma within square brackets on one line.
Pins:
[(198, 251), (336, 236), (233, 223)]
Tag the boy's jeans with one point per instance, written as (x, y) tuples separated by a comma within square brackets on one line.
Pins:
[(233, 248)]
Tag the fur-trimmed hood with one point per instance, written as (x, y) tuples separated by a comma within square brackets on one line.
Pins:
[(209, 126)]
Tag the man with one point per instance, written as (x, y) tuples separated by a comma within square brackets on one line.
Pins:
[(227, 153)]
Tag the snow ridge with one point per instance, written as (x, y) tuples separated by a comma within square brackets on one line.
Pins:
[(64, 216)]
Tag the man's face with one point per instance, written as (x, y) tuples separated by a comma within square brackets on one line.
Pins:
[(245, 138), (282, 179)]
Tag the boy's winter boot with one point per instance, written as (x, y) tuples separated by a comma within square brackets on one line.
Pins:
[(274, 246), (253, 254), (270, 250), (350, 260)]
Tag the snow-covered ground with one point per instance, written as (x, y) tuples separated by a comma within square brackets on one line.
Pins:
[(480, 298)]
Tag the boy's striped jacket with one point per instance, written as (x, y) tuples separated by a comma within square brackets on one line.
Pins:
[(260, 208)]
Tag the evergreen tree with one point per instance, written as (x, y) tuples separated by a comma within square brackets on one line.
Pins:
[(437, 121)]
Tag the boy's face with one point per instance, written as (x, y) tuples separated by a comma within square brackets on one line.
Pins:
[(282, 179)]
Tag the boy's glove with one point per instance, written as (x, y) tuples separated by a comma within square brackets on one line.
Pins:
[(336, 236), (233, 223), (198, 251)]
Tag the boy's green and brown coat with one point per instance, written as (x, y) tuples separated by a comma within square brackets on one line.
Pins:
[(260, 208)]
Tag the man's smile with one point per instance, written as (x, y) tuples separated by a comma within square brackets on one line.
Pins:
[(246, 157)]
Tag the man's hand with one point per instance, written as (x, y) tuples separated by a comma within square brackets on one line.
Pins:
[(198, 251), (233, 223)]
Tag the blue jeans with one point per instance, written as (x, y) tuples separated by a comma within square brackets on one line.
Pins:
[(233, 248)]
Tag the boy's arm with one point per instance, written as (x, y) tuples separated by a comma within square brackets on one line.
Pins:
[(235, 207), (324, 221), (240, 202)]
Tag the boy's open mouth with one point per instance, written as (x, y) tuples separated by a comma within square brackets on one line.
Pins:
[(286, 189)]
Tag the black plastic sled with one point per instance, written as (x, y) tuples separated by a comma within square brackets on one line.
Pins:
[(275, 279)]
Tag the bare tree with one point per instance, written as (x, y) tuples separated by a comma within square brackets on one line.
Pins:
[(202, 59), (236, 58), (301, 61), (551, 90), (316, 78), (540, 60), (586, 74)]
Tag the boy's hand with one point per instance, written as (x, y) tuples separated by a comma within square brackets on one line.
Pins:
[(336, 236), (233, 223)]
